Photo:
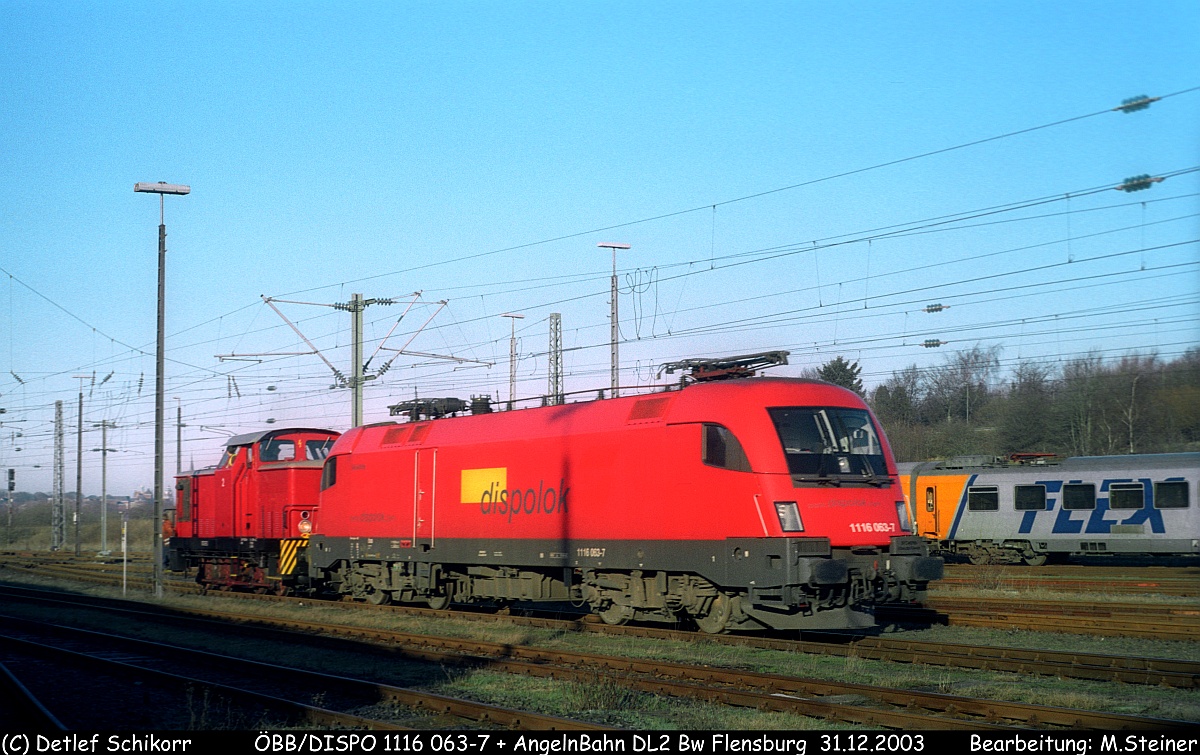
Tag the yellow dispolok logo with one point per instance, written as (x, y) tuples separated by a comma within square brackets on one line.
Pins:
[(478, 482)]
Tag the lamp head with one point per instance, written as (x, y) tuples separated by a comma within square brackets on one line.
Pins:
[(145, 187)]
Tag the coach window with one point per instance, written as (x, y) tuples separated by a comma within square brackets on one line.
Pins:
[(719, 448), (1029, 497), (984, 498), (1126, 495), (1171, 495), (1079, 497)]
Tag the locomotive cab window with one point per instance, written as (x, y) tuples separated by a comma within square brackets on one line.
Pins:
[(1078, 497), (827, 445), (1126, 495), (983, 498), (277, 450), (317, 450), (1029, 497), (720, 448), (1172, 494)]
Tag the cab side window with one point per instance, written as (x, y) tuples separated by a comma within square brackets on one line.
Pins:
[(720, 448), (329, 473), (184, 499)]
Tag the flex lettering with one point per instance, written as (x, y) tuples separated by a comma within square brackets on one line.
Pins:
[(1097, 521)]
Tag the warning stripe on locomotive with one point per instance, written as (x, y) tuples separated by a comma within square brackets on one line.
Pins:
[(289, 552)]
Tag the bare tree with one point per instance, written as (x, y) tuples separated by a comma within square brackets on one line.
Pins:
[(1026, 417), (964, 383), (1080, 398)]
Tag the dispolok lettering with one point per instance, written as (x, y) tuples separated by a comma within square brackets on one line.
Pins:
[(517, 501)]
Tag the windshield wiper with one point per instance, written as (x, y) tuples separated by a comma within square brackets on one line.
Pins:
[(819, 479)]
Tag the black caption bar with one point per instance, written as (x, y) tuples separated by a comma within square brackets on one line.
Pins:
[(502, 742)]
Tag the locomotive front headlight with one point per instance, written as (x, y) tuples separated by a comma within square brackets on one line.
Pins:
[(902, 515), (789, 516), (305, 526)]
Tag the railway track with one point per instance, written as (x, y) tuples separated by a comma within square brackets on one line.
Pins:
[(1071, 665), (873, 706), (1177, 581), (1175, 622), (1162, 621), (23, 710), (252, 689)]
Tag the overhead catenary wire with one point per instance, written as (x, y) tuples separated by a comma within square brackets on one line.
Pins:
[(196, 373)]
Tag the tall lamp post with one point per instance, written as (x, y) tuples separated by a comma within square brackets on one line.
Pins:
[(616, 361), (161, 188)]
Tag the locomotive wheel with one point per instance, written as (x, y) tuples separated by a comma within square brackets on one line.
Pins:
[(1036, 559), (716, 621), (615, 614), (378, 597), (438, 602)]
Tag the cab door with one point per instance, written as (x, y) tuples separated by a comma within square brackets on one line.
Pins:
[(425, 498)]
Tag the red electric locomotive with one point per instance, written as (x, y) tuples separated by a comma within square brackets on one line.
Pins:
[(241, 523), (742, 504)]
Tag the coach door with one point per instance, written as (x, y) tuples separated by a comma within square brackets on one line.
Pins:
[(932, 508), (425, 498)]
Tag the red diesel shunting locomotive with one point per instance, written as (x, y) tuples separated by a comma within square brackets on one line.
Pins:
[(233, 521), (743, 504)]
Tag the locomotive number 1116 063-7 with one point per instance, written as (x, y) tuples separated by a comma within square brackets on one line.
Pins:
[(873, 527)]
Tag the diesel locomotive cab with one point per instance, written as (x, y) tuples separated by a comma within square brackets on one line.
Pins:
[(243, 524)]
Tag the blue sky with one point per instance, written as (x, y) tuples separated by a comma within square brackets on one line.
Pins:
[(471, 151)]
